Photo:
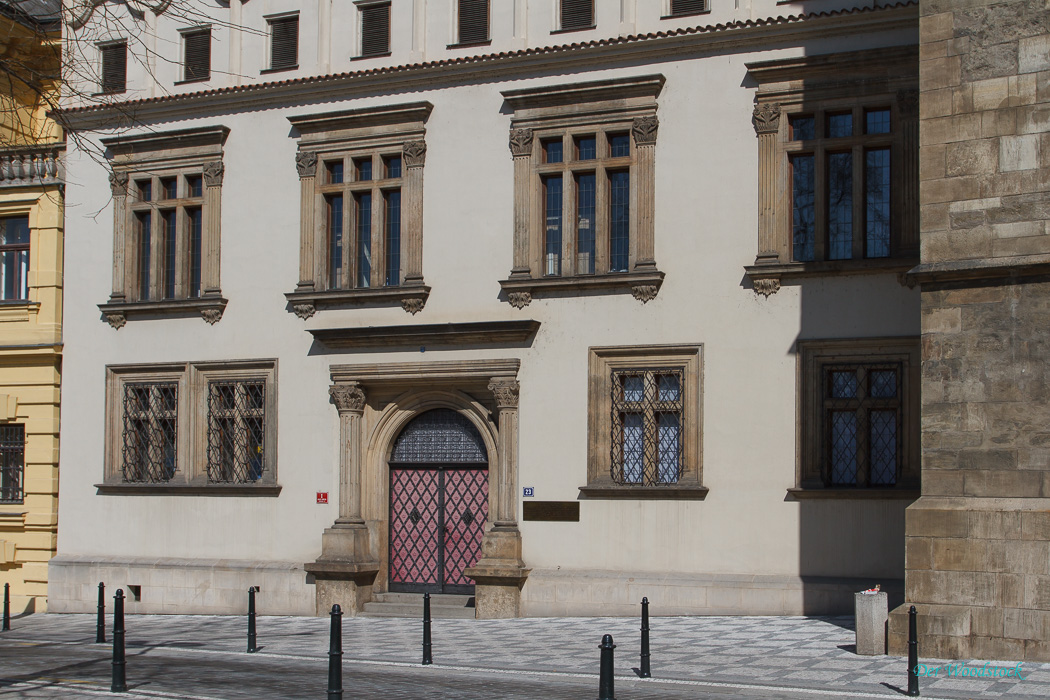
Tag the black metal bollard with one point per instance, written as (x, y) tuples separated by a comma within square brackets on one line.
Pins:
[(252, 647), (120, 683), (335, 656), (645, 671), (913, 653), (100, 624), (7, 607), (605, 673), (428, 657)]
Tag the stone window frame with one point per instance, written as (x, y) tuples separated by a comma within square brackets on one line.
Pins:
[(539, 114), (161, 155), (372, 132), (885, 77), (602, 363), (191, 461), (812, 357)]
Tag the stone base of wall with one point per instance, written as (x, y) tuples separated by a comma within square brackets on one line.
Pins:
[(954, 632), (179, 586), (559, 593)]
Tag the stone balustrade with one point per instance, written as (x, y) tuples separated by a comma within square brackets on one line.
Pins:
[(31, 165)]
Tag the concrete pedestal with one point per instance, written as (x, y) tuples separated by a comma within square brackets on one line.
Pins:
[(872, 612)]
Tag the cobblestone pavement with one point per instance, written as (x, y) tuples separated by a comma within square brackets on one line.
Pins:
[(49, 656)]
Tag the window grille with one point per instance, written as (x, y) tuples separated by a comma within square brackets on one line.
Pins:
[(284, 42), (236, 431), (473, 21), (12, 462), (681, 8), (114, 68), (14, 258), (439, 436), (375, 29), (150, 429), (647, 426), (862, 424), (577, 14), (197, 59)]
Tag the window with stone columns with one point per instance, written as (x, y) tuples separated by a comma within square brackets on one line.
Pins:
[(167, 194), (361, 214), (584, 188), (838, 166)]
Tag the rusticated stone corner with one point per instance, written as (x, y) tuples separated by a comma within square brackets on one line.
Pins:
[(645, 292), (519, 300), (767, 287), (304, 311)]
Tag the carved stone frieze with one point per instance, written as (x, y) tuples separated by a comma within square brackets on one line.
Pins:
[(306, 163), (644, 130), (908, 102), (213, 172), (414, 153), (118, 183), (304, 311), (766, 118), (505, 391), (767, 286), (413, 305), (645, 292), (347, 396), (212, 315), (521, 142), (117, 320), (519, 300)]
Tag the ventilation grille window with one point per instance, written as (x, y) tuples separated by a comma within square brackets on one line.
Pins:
[(440, 436), (284, 42), (375, 30), (198, 55), (577, 14), (473, 21), (687, 7), (114, 67)]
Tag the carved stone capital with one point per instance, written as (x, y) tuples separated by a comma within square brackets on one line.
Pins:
[(118, 183), (766, 118), (505, 391), (213, 171), (304, 311), (644, 130), (767, 286), (908, 102), (519, 300), (306, 163), (644, 292), (521, 142), (348, 396), (414, 153), (413, 305), (117, 320), (212, 316)]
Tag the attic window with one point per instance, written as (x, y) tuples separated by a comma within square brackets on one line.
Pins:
[(196, 54), (284, 42)]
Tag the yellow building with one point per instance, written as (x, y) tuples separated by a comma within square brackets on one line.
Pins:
[(31, 212)]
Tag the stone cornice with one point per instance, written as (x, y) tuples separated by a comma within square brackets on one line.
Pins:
[(485, 332), (672, 44), (979, 269)]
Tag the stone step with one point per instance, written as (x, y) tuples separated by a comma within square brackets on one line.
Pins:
[(410, 605)]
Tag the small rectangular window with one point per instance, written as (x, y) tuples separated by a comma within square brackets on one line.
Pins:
[(375, 29), (196, 49), (114, 72), (284, 42), (647, 426), (14, 258), (577, 14), (681, 8), (473, 21), (12, 462)]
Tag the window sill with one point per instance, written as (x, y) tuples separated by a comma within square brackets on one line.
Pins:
[(193, 80), (850, 494), (365, 57), (210, 308), (412, 299), (643, 285), (470, 44), (766, 278), (687, 14), (123, 489), (645, 493), (574, 29), (18, 309), (266, 71)]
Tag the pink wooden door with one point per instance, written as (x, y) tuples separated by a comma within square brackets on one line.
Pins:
[(466, 501), (415, 527)]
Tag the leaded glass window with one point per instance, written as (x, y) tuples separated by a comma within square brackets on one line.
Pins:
[(647, 426), (439, 436), (168, 216), (862, 424), (236, 431), (150, 412)]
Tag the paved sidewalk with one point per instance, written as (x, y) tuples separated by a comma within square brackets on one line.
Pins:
[(556, 658)]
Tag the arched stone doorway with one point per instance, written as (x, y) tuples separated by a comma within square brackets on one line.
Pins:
[(438, 503)]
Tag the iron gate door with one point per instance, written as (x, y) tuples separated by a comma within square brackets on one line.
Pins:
[(438, 503)]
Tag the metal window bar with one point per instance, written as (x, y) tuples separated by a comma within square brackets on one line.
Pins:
[(12, 462), (647, 423), (236, 431), (150, 430), (862, 425)]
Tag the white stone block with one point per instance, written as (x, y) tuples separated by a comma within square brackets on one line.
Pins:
[(872, 613)]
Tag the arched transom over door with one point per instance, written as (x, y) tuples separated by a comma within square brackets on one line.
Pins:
[(438, 503)]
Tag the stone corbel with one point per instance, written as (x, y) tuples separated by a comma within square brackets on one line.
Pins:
[(304, 311), (645, 292), (117, 320), (519, 300), (212, 315), (413, 305), (766, 286)]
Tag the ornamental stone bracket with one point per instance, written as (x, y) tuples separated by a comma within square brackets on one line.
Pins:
[(117, 320), (645, 292), (519, 300), (643, 285), (117, 312), (766, 287), (304, 311)]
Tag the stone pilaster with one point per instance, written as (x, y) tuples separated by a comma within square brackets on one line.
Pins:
[(306, 165), (521, 148), (118, 182), (766, 120), (213, 173), (644, 130), (414, 155)]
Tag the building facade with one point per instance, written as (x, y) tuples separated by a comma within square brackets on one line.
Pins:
[(31, 201), (558, 303)]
